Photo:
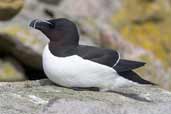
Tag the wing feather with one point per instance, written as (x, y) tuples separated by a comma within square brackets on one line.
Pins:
[(126, 65)]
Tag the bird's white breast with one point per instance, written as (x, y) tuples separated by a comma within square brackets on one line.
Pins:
[(74, 71)]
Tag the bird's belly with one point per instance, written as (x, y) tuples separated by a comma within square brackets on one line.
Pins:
[(74, 71)]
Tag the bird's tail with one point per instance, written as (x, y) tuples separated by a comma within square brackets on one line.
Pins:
[(131, 75), (125, 67)]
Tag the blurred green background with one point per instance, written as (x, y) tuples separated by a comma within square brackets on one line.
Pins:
[(139, 29)]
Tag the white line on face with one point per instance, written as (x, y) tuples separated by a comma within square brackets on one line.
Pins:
[(38, 20), (35, 23), (45, 21)]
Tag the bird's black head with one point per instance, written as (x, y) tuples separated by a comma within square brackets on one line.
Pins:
[(62, 31)]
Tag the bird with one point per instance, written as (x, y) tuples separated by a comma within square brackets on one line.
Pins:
[(70, 64)]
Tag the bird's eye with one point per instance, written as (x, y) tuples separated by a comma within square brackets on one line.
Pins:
[(52, 25)]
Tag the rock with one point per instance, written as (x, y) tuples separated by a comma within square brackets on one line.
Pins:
[(20, 44), (97, 9), (26, 48), (9, 8), (42, 97), (144, 23), (10, 70), (63, 8), (51, 2)]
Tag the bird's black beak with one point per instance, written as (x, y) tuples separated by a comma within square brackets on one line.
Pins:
[(40, 24)]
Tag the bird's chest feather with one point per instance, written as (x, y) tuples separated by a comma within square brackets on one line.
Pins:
[(74, 70)]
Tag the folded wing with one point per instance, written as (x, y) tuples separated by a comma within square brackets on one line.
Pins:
[(127, 65)]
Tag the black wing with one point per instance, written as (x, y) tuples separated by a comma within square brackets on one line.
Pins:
[(126, 65), (100, 55), (108, 57)]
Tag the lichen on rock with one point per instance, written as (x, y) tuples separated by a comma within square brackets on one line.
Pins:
[(9, 8), (10, 70), (20, 43)]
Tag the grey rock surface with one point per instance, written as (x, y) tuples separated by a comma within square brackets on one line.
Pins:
[(51, 2), (43, 97)]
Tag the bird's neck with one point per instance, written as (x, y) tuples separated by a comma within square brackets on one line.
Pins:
[(61, 50), (61, 44), (64, 40)]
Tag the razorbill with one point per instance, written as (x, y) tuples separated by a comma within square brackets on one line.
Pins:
[(69, 64)]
